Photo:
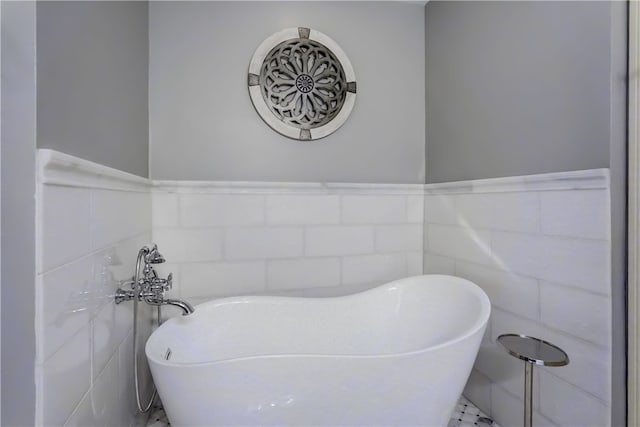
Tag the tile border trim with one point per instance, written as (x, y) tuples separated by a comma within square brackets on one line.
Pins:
[(257, 187), (56, 168), (573, 180)]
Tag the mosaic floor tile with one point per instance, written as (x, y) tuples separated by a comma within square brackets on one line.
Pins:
[(158, 418), (464, 415)]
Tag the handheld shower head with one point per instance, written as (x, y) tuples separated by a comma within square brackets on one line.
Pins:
[(154, 256)]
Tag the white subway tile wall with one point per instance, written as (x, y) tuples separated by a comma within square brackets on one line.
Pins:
[(221, 278), (263, 243), (567, 405), (459, 242), (314, 272), (301, 209), (287, 239), (190, 244), (66, 227), (414, 263), (542, 254), (378, 209), (336, 240), (88, 239), (478, 391), (575, 214), (209, 210)]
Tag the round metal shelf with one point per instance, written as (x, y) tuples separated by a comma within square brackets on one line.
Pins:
[(533, 350)]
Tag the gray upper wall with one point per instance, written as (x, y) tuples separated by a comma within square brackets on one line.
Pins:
[(516, 88), (511, 88), (204, 127), (93, 81), (18, 275)]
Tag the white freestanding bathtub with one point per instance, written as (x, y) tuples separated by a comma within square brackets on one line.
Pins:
[(398, 354)]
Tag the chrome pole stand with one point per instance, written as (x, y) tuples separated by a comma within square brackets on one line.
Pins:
[(533, 351), (528, 394)]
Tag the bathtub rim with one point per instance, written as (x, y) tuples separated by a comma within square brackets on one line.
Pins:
[(480, 323)]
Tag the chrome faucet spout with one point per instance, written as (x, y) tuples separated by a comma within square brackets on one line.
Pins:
[(185, 306), (149, 287)]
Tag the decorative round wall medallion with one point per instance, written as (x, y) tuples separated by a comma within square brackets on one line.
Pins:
[(301, 83)]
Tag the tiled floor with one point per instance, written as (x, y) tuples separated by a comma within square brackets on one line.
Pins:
[(464, 415), (158, 418), (467, 415)]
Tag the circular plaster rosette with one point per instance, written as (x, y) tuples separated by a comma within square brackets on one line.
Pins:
[(302, 84)]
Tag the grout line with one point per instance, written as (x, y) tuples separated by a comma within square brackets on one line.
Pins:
[(519, 232), (179, 210), (95, 252), (539, 289), (304, 242), (495, 269), (544, 282), (548, 371), (554, 330), (265, 275), (539, 200)]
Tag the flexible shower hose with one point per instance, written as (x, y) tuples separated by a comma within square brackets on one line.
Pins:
[(142, 408)]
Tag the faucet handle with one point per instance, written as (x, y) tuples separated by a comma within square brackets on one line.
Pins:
[(128, 283), (161, 285)]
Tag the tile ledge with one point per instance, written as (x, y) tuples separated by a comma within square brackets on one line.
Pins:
[(56, 168), (258, 187), (571, 180)]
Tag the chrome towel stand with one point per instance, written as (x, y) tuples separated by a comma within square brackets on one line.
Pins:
[(533, 351)]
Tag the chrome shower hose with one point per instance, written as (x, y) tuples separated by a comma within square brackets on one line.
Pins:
[(142, 408)]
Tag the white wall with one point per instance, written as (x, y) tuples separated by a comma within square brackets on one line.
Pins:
[(540, 248), (204, 127), (224, 239), (91, 222)]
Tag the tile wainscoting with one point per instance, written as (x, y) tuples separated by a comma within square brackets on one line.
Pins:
[(540, 247), (91, 221), (286, 238)]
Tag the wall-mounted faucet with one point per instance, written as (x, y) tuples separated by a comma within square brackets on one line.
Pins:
[(150, 288)]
